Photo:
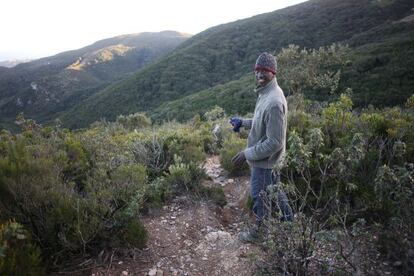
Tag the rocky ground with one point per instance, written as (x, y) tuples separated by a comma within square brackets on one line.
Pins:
[(188, 237)]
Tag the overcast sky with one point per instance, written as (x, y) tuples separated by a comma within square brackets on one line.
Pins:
[(38, 28)]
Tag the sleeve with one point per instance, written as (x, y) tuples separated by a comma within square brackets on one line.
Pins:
[(274, 123), (247, 123)]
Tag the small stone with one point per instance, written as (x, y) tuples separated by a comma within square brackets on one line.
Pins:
[(121, 262), (124, 273), (397, 263), (188, 243), (152, 272)]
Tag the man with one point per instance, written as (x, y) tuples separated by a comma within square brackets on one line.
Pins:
[(266, 143)]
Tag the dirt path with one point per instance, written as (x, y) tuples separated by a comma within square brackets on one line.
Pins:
[(195, 238)]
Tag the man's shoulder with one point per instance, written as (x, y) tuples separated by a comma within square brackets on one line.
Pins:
[(277, 97), (277, 101)]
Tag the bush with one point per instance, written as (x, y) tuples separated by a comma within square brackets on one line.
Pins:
[(71, 197), (231, 146), (216, 194), (18, 256), (215, 113), (343, 167), (134, 121), (183, 177)]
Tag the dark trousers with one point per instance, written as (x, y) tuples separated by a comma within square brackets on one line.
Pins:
[(260, 180)]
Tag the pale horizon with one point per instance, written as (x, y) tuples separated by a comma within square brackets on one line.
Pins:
[(36, 29)]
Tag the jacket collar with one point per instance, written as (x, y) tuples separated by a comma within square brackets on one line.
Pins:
[(265, 89)]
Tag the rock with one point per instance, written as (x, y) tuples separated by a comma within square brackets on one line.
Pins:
[(188, 243), (226, 215), (219, 237), (397, 263), (152, 272), (173, 271), (124, 273)]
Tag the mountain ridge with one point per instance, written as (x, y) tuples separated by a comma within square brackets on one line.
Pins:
[(226, 52), (65, 79)]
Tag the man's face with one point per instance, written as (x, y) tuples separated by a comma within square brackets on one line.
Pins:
[(263, 77)]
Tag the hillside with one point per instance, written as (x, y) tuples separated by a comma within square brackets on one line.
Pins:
[(44, 87), (376, 75), (227, 52), (12, 63)]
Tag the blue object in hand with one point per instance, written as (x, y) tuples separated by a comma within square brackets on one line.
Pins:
[(236, 123)]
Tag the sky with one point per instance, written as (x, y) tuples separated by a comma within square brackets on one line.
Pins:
[(38, 28)]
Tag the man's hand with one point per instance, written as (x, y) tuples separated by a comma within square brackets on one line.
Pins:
[(238, 159), (236, 123)]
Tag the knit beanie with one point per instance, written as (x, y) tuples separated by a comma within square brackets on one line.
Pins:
[(266, 62)]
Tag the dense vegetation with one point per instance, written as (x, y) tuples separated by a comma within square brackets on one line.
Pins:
[(350, 177), (380, 41), (43, 88), (79, 192)]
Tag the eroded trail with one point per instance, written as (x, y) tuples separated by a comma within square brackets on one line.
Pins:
[(195, 238)]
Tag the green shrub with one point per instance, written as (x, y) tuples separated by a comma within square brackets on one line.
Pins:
[(134, 234), (69, 195), (183, 177), (134, 121), (215, 113), (158, 191), (216, 194), (18, 256), (231, 146), (156, 148)]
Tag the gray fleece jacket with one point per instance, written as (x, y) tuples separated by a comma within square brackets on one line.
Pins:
[(267, 138)]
